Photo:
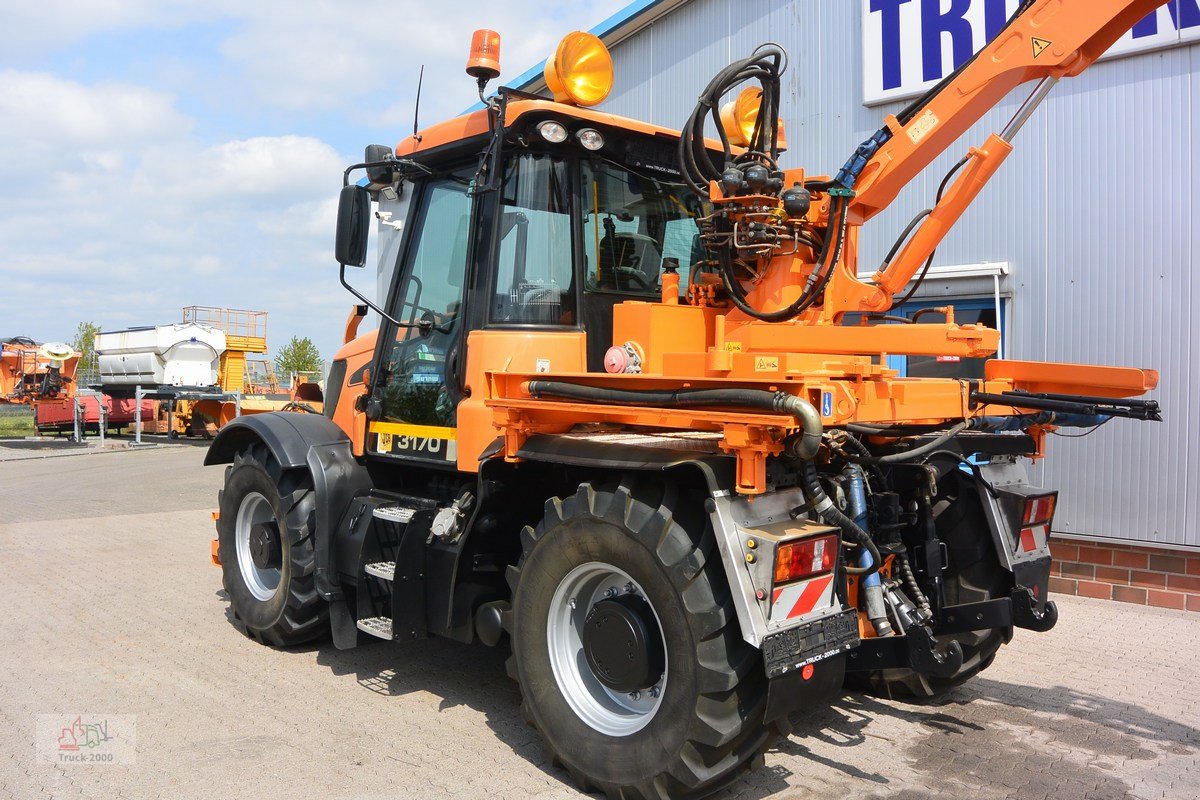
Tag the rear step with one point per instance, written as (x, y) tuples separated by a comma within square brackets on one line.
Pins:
[(382, 569), (376, 626), (398, 514)]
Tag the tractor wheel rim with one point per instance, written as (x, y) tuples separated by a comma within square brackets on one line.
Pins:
[(610, 712), (254, 510)]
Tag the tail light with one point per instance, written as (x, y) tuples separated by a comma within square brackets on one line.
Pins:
[(805, 558), (1036, 516), (1039, 510)]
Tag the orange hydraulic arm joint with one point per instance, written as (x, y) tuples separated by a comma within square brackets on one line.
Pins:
[(1045, 41)]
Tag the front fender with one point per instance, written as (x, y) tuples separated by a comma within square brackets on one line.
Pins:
[(288, 435), (311, 442)]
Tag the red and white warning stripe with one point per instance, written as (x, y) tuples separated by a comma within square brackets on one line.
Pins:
[(1032, 538), (802, 597)]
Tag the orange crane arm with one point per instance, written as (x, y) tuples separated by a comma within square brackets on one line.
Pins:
[(1046, 40)]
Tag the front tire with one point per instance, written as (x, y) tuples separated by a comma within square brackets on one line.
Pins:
[(265, 534), (698, 719)]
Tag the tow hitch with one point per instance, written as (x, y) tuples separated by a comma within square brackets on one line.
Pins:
[(919, 650), (1019, 609)]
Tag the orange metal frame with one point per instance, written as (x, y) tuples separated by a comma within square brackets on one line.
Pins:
[(695, 342), (842, 369)]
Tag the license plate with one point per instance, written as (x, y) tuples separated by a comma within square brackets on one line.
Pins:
[(811, 642)]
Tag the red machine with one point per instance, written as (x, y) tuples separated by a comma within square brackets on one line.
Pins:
[(43, 376)]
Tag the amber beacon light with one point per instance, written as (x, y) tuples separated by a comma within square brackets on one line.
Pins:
[(484, 61), (580, 72), (740, 115)]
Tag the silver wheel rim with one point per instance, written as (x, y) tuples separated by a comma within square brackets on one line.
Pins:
[(603, 709), (254, 510)]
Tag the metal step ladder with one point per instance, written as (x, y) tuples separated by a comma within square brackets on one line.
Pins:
[(376, 626), (401, 515), (382, 569), (385, 570)]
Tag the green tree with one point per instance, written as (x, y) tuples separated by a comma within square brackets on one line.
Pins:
[(298, 355), (85, 343)]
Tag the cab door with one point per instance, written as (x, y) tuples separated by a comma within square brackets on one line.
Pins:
[(416, 388)]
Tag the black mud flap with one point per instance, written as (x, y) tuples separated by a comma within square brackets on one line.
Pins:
[(791, 691), (341, 624), (916, 650)]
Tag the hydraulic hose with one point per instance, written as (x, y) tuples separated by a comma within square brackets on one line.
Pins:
[(910, 582), (827, 261), (861, 449), (872, 586), (917, 452), (805, 447), (766, 64), (851, 530)]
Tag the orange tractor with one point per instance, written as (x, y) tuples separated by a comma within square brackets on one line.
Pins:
[(630, 412)]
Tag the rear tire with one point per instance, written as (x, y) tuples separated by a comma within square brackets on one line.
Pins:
[(707, 724), (276, 600), (972, 575)]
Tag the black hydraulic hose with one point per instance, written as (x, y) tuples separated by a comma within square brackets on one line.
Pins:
[(910, 580), (766, 64), (804, 412), (824, 268), (862, 450), (929, 261), (903, 237), (851, 531), (889, 431), (917, 452)]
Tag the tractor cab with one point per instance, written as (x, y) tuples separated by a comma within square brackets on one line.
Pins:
[(509, 235)]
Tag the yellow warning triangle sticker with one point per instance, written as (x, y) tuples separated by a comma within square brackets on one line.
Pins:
[(1039, 46)]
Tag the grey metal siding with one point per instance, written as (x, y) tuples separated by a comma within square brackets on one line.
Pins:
[(1096, 213)]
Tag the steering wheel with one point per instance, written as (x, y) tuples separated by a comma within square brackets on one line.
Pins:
[(637, 276)]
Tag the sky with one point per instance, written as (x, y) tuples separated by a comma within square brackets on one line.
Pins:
[(156, 154)]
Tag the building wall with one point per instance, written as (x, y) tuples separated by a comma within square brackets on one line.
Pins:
[(1096, 214)]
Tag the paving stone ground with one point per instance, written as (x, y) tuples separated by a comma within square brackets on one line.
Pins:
[(111, 608)]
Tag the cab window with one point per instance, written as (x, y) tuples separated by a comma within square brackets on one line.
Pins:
[(534, 283), (631, 222)]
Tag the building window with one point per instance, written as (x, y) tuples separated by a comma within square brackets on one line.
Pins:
[(982, 310)]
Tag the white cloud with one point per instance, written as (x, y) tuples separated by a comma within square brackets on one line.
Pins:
[(123, 217), (119, 208), (314, 55), (47, 117)]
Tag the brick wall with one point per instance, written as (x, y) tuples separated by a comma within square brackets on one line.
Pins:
[(1127, 573)]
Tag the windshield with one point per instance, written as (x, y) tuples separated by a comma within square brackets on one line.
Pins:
[(631, 222)]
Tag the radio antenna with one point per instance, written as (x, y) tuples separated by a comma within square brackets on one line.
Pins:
[(417, 105)]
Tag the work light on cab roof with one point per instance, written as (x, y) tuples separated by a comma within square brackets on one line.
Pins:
[(740, 116), (581, 71)]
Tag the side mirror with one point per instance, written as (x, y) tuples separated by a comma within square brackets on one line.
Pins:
[(353, 226), (384, 175)]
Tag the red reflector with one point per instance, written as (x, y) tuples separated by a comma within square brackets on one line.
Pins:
[(1039, 510), (807, 671), (796, 560), (1028, 540)]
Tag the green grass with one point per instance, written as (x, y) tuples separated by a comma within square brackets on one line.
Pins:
[(16, 425)]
